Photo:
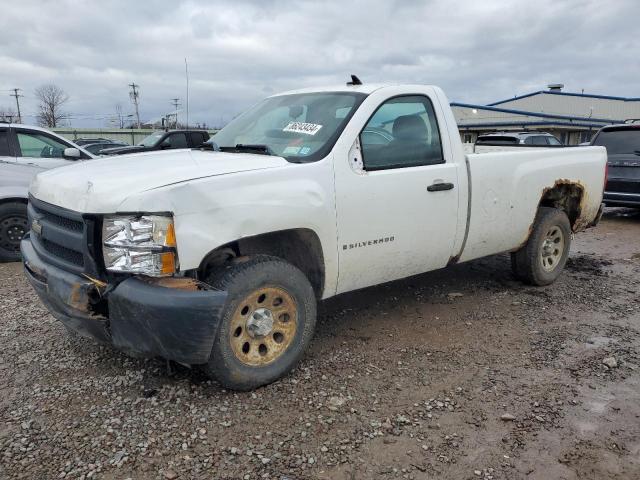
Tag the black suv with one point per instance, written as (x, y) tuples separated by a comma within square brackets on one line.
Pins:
[(623, 159), (162, 141)]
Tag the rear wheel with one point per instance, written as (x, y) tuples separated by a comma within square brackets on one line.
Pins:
[(13, 226), (267, 322), (542, 259)]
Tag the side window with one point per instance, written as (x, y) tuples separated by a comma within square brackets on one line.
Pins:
[(197, 138), (539, 140), (37, 145), (4, 144), (553, 141), (403, 132), (177, 140)]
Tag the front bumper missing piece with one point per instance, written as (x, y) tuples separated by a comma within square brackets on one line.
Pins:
[(173, 318)]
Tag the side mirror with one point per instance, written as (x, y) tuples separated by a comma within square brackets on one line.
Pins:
[(72, 153)]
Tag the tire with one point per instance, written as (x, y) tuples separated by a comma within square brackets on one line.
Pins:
[(13, 226), (514, 265), (267, 322), (541, 260)]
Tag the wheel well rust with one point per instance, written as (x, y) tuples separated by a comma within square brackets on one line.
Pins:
[(301, 247), (569, 196)]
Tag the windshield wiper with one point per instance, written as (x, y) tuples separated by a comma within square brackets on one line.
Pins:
[(241, 147)]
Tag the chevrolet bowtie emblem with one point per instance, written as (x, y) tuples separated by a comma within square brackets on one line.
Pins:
[(36, 226)]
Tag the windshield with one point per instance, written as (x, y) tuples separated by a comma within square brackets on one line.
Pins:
[(300, 127), (152, 139), (619, 141)]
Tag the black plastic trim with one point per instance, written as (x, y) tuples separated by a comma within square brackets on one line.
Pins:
[(135, 315)]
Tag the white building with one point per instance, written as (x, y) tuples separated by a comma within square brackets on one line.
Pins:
[(572, 117)]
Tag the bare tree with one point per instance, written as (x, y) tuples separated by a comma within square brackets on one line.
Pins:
[(8, 114), (51, 98)]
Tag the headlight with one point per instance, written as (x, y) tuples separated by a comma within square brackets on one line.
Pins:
[(144, 244)]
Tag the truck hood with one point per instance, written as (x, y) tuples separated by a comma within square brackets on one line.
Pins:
[(101, 185)]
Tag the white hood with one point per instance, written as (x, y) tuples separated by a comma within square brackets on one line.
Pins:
[(101, 185)]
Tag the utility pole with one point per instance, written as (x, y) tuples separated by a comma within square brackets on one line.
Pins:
[(17, 95), (133, 94), (174, 102)]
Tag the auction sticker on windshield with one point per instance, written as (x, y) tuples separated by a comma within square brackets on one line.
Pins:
[(301, 127)]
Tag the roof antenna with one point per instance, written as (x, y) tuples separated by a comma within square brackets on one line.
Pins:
[(354, 81)]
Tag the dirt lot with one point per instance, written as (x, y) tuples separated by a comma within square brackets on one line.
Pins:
[(462, 373)]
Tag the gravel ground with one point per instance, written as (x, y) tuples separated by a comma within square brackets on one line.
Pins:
[(461, 373)]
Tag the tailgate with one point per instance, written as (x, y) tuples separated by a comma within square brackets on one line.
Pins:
[(624, 173)]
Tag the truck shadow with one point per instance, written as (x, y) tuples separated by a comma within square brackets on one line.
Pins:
[(432, 309), (355, 316), (622, 215)]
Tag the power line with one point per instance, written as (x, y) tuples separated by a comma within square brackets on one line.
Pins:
[(17, 95), (134, 97)]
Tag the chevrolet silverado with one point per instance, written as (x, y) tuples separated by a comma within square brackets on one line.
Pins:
[(218, 257)]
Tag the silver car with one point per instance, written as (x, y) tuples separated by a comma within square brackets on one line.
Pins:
[(25, 151), (541, 139)]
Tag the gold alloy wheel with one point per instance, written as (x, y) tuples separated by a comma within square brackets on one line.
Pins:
[(552, 248), (263, 326)]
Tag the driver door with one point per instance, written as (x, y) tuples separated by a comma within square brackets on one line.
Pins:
[(38, 148), (396, 196)]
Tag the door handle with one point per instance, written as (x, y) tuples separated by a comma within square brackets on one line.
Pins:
[(440, 186)]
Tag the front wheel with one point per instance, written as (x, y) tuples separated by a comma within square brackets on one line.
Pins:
[(267, 322), (13, 226), (543, 257)]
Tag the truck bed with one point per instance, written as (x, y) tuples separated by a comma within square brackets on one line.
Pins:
[(507, 186)]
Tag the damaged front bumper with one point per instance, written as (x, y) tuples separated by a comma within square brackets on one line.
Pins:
[(173, 318)]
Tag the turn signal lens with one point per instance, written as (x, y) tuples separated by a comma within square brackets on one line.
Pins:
[(167, 263)]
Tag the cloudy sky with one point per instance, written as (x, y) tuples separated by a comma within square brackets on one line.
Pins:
[(240, 51)]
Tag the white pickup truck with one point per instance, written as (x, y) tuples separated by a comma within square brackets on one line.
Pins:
[(218, 257)]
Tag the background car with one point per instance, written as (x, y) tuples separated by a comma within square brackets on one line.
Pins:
[(623, 160), (163, 140), (519, 138), (97, 147), (87, 141), (25, 151), (14, 187), (24, 144)]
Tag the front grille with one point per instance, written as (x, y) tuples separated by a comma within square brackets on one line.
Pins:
[(64, 253), (62, 237), (67, 223)]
